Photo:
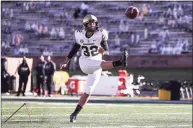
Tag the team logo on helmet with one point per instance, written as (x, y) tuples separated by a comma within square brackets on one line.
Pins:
[(81, 41)]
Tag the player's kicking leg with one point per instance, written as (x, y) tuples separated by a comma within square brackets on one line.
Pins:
[(111, 64), (91, 83)]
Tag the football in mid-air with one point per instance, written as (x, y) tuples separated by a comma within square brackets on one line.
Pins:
[(132, 12)]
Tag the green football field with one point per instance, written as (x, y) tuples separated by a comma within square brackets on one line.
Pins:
[(56, 115)]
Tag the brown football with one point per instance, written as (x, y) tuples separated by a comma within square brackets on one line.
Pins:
[(132, 12)]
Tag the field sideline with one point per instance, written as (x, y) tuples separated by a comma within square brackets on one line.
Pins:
[(56, 115)]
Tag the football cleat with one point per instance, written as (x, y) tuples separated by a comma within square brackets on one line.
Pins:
[(124, 58), (72, 118)]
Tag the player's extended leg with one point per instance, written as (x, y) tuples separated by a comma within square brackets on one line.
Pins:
[(112, 64), (91, 82)]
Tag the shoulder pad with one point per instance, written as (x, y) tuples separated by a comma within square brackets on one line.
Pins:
[(100, 29)]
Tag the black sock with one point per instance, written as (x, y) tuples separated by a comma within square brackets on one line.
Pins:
[(77, 110), (117, 63)]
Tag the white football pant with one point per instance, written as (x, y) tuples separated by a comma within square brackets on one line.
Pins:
[(93, 68)]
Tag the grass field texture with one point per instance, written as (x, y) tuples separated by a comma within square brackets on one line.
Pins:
[(56, 115)]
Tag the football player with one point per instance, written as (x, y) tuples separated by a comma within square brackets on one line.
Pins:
[(93, 42)]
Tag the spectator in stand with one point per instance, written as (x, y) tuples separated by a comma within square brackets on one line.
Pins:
[(20, 39), (5, 44), (132, 38), (26, 6), (137, 39), (9, 30), (48, 4), (164, 34), (27, 26), (117, 41), (84, 9), (149, 8), (153, 48), (164, 50), (45, 31), (159, 45), (171, 22), (11, 14), (16, 50), (180, 10), (7, 27), (21, 50), (146, 33), (179, 43), (169, 12), (141, 16), (26, 50), (3, 12), (66, 15), (17, 39), (61, 33), (76, 13), (169, 51), (178, 47), (145, 9), (53, 33), (39, 30), (13, 42), (161, 20), (34, 26), (123, 26), (185, 45), (46, 52), (175, 13)]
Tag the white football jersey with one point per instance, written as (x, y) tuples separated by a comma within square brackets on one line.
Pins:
[(90, 46)]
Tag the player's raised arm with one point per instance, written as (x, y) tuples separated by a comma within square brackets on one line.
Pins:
[(72, 52)]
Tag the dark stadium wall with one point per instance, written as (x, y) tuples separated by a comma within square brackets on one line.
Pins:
[(142, 61)]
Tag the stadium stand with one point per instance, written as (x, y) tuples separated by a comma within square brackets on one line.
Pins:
[(161, 28)]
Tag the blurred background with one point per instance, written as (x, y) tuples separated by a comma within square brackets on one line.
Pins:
[(159, 42)]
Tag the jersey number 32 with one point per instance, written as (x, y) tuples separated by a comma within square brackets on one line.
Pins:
[(90, 51)]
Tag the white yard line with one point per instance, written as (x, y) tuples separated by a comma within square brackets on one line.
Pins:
[(122, 126), (135, 126), (104, 104), (91, 114), (159, 126), (97, 106), (60, 115)]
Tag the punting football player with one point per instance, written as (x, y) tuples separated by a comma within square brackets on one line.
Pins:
[(92, 40)]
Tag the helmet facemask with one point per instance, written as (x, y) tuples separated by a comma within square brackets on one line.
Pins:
[(88, 22), (91, 26)]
